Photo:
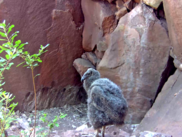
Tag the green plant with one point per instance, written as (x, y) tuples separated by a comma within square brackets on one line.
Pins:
[(15, 49), (6, 107), (31, 61), (6, 111), (53, 123)]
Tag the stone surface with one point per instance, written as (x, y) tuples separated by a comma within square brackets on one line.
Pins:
[(81, 65), (130, 4), (135, 59), (120, 13), (153, 3), (173, 12), (91, 57), (39, 24), (111, 131), (151, 134), (32, 25), (98, 17), (165, 115)]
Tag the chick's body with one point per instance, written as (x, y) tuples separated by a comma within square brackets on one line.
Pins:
[(106, 104)]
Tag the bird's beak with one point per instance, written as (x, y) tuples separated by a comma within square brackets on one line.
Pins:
[(83, 78)]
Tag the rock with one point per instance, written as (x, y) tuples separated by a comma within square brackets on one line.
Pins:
[(109, 24), (165, 114), (135, 59), (151, 134), (32, 24), (102, 45), (81, 65), (57, 72), (120, 13), (63, 31), (81, 128), (98, 14), (23, 123), (74, 7), (99, 54), (173, 12), (91, 57), (130, 4), (153, 3)]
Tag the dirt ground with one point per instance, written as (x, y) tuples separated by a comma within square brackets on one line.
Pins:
[(76, 116)]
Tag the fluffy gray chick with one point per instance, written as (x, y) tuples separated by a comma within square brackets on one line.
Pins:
[(106, 103)]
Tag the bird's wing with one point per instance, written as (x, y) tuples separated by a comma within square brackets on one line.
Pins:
[(98, 98), (108, 103)]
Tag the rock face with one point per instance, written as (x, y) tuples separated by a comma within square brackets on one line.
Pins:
[(99, 20), (136, 58), (151, 134), (40, 22), (165, 115), (173, 12)]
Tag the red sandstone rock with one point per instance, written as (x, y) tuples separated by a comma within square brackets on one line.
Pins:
[(135, 59), (59, 82), (74, 7), (165, 115), (32, 23), (173, 12), (95, 12)]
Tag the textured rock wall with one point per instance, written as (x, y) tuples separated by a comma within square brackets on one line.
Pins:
[(165, 115), (133, 55), (58, 23)]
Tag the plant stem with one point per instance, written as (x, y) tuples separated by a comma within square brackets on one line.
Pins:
[(34, 98)]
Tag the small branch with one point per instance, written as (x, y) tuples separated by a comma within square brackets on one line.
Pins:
[(34, 98)]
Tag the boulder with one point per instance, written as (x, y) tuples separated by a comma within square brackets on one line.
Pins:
[(39, 23), (153, 3), (81, 65), (135, 59), (99, 20), (165, 115), (91, 57), (173, 12)]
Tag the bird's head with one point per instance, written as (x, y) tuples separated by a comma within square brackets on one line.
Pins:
[(90, 73)]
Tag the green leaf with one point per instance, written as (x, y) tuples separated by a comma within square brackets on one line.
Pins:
[(3, 48), (10, 28), (10, 64), (13, 37), (22, 45), (7, 56), (17, 43), (39, 60), (20, 64), (2, 34), (56, 124), (1, 51), (63, 116), (37, 75), (3, 40)]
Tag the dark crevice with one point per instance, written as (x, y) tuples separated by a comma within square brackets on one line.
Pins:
[(169, 70)]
